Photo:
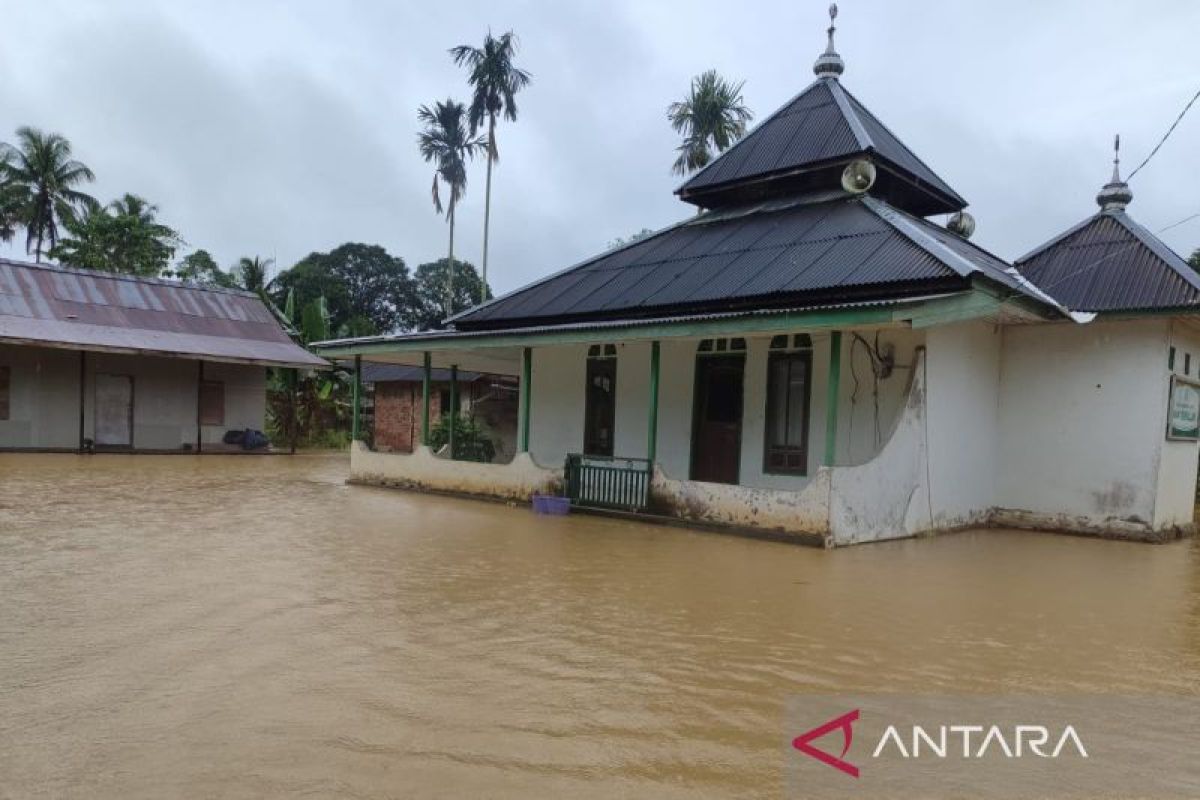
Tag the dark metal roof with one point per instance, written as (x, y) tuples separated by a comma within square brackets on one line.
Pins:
[(53, 306), (385, 373), (441, 336), (1111, 263), (818, 249), (823, 124)]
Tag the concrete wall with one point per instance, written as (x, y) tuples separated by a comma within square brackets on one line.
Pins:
[(963, 427), (1058, 426), (559, 375), (1175, 500), (45, 397), (1082, 429), (518, 480)]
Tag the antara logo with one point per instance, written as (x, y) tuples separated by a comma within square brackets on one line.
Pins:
[(942, 741), (845, 722)]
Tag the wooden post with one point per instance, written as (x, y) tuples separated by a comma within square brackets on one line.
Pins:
[(82, 395), (294, 424), (199, 395), (356, 423), (425, 381), (525, 397), (831, 397), (453, 417), (652, 421)]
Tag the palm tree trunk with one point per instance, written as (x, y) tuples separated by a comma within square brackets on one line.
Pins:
[(487, 204), (450, 265)]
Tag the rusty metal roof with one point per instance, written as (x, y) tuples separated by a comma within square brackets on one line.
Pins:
[(53, 306), (1109, 262)]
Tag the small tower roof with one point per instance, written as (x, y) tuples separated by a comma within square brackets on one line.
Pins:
[(804, 145), (1109, 262)]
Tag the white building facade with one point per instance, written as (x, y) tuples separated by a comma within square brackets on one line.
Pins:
[(810, 357)]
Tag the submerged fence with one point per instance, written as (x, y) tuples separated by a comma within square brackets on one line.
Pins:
[(606, 482)]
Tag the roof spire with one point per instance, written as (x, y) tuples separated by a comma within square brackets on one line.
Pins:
[(1115, 195), (829, 64)]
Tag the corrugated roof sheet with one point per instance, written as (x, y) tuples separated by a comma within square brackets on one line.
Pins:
[(1111, 263), (450, 335), (777, 252), (80, 309), (823, 123), (385, 373)]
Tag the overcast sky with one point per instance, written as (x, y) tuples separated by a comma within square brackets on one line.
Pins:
[(278, 128)]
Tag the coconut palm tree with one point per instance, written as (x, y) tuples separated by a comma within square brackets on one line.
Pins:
[(251, 273), (43, 178), (448, 144), (711, 118), (495, 81), (9, 197)]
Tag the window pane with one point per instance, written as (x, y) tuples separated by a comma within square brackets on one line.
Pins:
[(797, 385), (777, 386)]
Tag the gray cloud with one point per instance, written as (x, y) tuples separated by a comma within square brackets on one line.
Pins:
[(282, 128)]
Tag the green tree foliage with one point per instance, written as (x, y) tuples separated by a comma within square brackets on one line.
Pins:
[(252, 273), (621, 241), (10, 199), (309, 409), (494, 81), (124, 237), (471, 439), (711, 118), (428, 309), (367, 290), (1194, 260), (447, 143), (200, 267), (41, 179)]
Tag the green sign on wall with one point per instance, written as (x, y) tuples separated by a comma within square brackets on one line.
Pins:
[(1183, 413)]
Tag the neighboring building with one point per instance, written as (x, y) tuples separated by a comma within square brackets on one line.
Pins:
[(394, 395), (1118, 452), (114, 362), (811, 357)]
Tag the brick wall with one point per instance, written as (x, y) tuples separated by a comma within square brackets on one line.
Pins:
[(398, 414)]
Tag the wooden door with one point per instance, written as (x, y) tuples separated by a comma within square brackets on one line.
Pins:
[(717, 419), (600, 407), (114, 410)]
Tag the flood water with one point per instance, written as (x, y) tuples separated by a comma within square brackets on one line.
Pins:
[(246, 626)]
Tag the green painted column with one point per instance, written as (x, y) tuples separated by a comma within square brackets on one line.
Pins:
[(831, 397), (453, 410), (652, 421), (425, 388), (356, 425), (525, 398)]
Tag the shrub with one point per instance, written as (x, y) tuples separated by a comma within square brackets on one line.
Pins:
[(471, 440)]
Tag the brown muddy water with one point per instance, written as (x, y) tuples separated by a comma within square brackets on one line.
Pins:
[(244, 627)]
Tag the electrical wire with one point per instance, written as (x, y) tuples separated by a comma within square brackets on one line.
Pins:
[(1166, 136)]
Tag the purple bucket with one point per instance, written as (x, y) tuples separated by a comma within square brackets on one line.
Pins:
[(549, 504)]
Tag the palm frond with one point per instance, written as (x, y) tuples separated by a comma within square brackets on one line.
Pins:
[(711, 118)]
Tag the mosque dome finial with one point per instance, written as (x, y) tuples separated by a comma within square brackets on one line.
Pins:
[(1115, 195), (829, 64)]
